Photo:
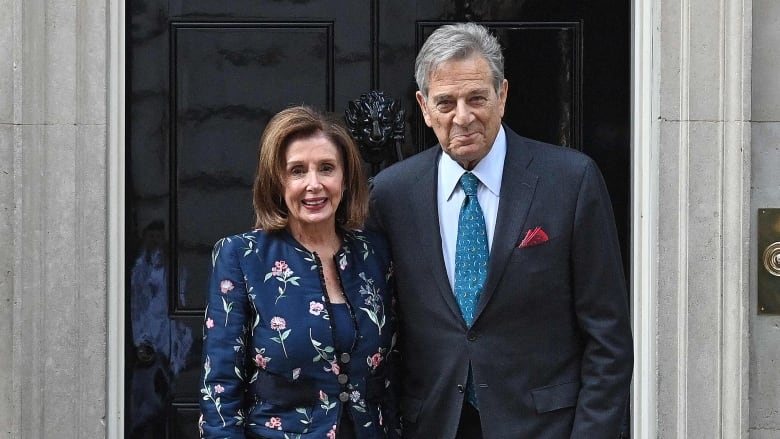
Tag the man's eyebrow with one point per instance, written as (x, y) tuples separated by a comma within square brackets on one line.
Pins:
[(474, 92), (441, 97)]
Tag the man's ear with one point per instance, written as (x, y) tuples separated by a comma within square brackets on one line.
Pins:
[(423, 107), (502, 96)]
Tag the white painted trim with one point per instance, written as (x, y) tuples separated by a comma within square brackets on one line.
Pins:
[(644, 217), (116, 220)]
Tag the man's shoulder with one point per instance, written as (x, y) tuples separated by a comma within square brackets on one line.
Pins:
[(546, 154)]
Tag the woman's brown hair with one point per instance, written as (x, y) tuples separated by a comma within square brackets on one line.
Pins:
[(295, 123)]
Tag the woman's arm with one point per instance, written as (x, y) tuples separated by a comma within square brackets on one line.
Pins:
[(224, 345)]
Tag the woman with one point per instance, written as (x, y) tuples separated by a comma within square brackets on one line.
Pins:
[(299, 325)]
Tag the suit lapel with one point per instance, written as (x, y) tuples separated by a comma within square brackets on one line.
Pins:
[(517, 191), (426, 220)]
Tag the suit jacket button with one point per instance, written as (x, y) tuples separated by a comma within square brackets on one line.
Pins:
[(343, 396), (461, 389), (471, 336)]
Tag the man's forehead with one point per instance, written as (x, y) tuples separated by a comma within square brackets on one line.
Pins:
[(445, 92)]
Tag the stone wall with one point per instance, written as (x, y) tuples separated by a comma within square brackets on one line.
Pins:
[(765, 193), (702, 121), (53, 218)]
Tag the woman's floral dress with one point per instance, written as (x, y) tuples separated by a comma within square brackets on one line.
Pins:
[(270, 369)]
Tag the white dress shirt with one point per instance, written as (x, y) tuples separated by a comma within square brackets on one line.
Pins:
[(450, 196)]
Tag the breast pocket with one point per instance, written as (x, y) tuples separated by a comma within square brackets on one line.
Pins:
[(542, 257)]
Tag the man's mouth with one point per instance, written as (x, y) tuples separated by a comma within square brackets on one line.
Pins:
[(463, 136)]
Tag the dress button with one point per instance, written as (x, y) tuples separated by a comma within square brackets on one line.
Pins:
[(461, 389), (342, 378), (343, 396), (471, 336), (345, 358)]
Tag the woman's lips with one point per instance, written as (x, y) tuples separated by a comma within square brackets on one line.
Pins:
[(314, 202)]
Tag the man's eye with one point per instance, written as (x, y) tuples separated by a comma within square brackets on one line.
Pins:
[(444, 106)]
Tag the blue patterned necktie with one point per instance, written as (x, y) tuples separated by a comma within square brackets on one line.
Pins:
[(471, 250), (471, 259)]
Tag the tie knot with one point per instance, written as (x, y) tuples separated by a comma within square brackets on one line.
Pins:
[(469, 182)]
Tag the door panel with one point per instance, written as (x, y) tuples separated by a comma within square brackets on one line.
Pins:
[(204, 77), (213, 171)]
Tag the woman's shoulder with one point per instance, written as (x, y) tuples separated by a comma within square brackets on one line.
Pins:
[(250, 240), (238, 239), (371, 245), (370, 238)]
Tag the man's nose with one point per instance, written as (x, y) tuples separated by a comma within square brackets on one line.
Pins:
[(463, 114)]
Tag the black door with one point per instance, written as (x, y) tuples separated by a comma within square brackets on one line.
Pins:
[(204, 77)]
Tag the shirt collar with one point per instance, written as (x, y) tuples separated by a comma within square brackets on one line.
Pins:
[(489, 170)]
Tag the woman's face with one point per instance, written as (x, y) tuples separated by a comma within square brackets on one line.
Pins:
[(313, 182)]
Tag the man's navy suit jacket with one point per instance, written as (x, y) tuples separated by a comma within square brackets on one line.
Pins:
[(550, 347)]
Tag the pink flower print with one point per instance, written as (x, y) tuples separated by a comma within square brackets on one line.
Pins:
[(225, 286), (315, 308), (261, 361), (376, 359), (218, 388), (274, 422), (343, 261), (335, 368), (282, 273), (278, 324), (332, 433), (209, 323), (325, 403), (279, 268)]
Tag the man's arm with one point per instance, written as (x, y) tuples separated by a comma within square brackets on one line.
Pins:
[(601, 305)]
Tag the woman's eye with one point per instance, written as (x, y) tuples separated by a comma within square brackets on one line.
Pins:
[(296, 172)]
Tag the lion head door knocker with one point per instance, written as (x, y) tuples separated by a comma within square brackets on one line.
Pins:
[(376, 122)]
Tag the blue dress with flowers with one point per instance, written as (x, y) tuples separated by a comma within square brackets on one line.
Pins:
[(270, 368)]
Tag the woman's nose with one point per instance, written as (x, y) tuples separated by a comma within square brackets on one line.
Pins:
[(313, 181)]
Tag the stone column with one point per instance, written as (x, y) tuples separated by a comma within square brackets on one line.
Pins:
[(53, 218), (703, 140), (765, 193), (7, 209)]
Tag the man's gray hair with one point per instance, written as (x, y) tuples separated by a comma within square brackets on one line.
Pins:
[(457, 42)]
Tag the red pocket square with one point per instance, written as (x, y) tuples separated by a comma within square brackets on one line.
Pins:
[(534, 236)]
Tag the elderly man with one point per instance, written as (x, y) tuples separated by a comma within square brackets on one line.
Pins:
[(512, 299)]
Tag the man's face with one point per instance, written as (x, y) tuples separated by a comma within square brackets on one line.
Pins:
[(463, 108)]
